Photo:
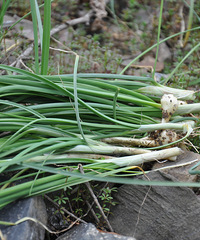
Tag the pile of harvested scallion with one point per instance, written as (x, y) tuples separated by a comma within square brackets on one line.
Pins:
[(110, 124)]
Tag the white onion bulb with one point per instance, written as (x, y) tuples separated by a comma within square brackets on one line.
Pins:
[(169, 105)]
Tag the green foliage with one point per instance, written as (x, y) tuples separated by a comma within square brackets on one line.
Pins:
[(62, 199), (46, 37), (106, 201), (42, 116), (4, 7), (35, 29)]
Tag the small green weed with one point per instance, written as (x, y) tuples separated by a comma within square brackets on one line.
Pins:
[(107, 200), (62, 199)]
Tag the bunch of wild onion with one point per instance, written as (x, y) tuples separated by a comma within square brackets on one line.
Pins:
[(50, 124)]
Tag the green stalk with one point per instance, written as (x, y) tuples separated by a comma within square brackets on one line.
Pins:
[(189, 22), (40, 28), (115, 102), (4, 7), (97, 76), (158, 37), (188, 108), (13, 178), (35, 30), (69, 94), (76, 98), (24, 155), (46, 37), (160, 126), (6, 102)]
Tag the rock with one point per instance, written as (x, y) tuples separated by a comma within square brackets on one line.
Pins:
[(31, 207), (160, 76), (155, 212), (147, 63), (89, 232), (56, 222), (65, 36), (180, 173), (24, 27), (164, 53), (144, 17), (9, 20)]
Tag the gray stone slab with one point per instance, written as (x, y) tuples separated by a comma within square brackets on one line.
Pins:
[(89, 232), (167, 213), (31, 207), (181, 173)]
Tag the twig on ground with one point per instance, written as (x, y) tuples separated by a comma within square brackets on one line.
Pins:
[(175, 165), (23, 64), (95, 199), (69, 51), (25, 54), (92, 211), (84, 19)]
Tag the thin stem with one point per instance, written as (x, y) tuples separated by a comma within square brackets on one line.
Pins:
[(96, 200), (158, 37)]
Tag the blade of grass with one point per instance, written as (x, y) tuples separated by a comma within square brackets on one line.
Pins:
[(53, 145), (4, 7), (35, 31), (194, 12), (6, 102), (76, 98), (94, 75), (158, 37), (191, 12), (46, 37), (115, 102), (39, 22)]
